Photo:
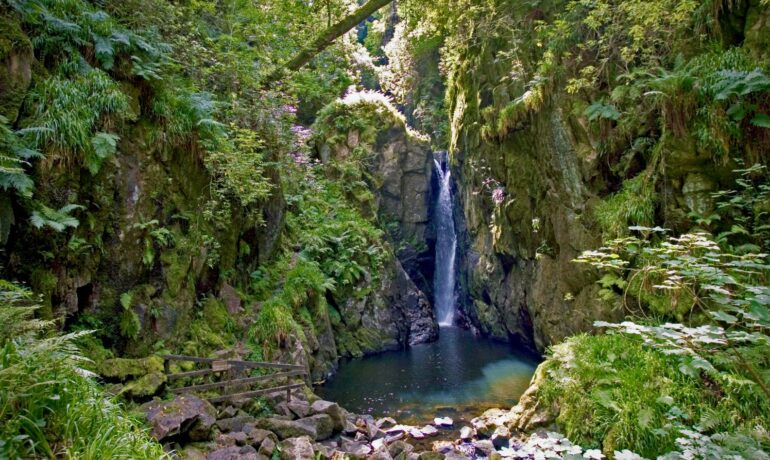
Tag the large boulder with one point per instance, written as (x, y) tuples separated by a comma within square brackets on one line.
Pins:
[(285, 429), (322, 425), (234, 453), (142, 377), (355, 449), (531, 413), (256, 437), (318, 427), (235, 423), (297, 449), (184, 415), (331, 409)]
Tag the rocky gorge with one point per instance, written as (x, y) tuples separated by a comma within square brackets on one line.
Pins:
[(301, 430), (461, 228)]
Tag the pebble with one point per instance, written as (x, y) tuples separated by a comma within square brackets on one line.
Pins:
[(443, 421), (415, 433), (429, 430)]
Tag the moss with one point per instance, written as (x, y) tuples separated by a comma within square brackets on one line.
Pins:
[(347, 345), (145, 386), (634, 204), (216, 316), (94, 349), (176, 270), (12, 38), (16, 50), (43, 283), (123, 368)]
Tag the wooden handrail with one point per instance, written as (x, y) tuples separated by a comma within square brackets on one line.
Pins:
[(233, 362), (222, 365), (248, 394), (182, 375), (243, 381)]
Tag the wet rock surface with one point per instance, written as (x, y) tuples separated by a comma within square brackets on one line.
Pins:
[(184, 415), (188, 425)]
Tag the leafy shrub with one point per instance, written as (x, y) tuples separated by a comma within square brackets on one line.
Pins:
[(72, 31), (634, 204), (68, 111), (615, 393), (49, 406)]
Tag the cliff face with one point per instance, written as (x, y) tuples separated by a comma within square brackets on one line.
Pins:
[(537, 176), (156, 259), (517, 275), (398, 166)]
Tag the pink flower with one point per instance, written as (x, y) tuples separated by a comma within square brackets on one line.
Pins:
[(498, 195)]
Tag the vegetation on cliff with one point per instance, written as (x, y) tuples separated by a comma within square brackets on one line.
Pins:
[(596, 120), (50, 406), (207, 175)]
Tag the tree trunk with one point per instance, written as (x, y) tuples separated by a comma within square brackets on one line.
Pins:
[(326, 39)]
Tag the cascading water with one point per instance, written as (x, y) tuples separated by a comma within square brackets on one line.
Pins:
[(458, 376), (446, 246)]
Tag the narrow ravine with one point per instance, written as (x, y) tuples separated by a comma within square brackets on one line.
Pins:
[(458, 376)]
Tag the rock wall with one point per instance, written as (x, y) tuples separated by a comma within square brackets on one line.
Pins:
[(531, 170), (148, 269), (399, 169), (517, 278)]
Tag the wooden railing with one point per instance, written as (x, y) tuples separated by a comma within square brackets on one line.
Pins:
[(223, 368)]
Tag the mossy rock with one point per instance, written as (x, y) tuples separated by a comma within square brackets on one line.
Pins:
[(16, 60), (215, 314), (44, 283), (125, 368), (145, 386), (176, 268)]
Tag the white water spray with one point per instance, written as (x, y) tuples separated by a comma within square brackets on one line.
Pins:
[(445, 302)]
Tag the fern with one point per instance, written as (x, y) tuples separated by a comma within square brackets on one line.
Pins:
[(601, 110), (48, 402), (59, 220)]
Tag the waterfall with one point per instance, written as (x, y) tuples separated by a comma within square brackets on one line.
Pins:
[(446, 245)]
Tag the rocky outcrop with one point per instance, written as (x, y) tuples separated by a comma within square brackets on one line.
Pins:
[(399, 163), (16, 59), (137, 378), (516, 254), (183, 416)]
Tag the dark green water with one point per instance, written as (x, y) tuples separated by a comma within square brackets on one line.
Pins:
[(459, 376)]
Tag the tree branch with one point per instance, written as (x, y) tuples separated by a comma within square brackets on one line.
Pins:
[(326, 39)]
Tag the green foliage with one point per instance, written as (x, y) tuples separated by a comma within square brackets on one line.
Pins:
[(691, 275), (15, 156), (634, 204), (290, 286), (104, 146), (237, 168), (58, 220), (617, 394), (154, 238), (743, 213), (331, 231), (130, 326), (66, 113), (600, 110), (76, 34), (364, 111), (49, 406)]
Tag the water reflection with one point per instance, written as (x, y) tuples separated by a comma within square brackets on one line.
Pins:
[(457, 375)]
